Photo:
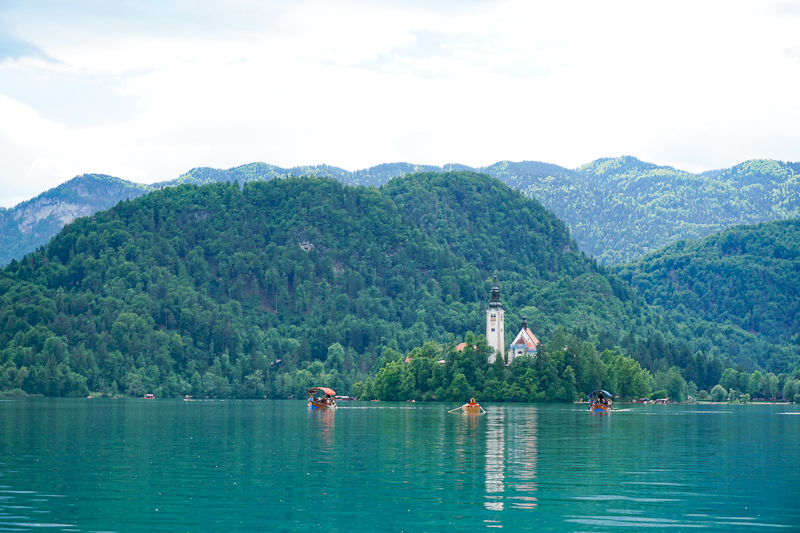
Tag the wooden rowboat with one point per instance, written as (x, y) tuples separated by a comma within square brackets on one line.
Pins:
[(471, 408)]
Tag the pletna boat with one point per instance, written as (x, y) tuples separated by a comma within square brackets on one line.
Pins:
[(600, 401), (321, 398)]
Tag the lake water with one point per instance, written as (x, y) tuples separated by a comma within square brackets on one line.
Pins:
[(169, 465)]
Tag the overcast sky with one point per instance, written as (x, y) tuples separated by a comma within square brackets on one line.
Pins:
[(145, 90)]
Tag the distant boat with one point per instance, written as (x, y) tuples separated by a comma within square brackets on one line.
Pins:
[(321, 398), (600, 401), (345, 399)]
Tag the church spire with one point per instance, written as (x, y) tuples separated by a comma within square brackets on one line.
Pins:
[(495, 301)]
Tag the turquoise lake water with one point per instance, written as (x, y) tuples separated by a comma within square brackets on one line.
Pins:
[(169, 465)]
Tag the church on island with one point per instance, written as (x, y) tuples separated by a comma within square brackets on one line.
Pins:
[(525, 344)]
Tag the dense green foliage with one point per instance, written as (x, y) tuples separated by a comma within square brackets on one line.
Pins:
[(745, 279), (620, 209), (195, 289), (562, 372), (270, 288), (617, 209)]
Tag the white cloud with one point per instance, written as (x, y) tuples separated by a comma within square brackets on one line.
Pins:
[(146, 91)]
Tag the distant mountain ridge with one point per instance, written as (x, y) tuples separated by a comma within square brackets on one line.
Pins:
[(33, 223), (617, 209)]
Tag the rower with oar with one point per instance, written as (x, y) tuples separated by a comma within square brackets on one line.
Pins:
[(472, 407)]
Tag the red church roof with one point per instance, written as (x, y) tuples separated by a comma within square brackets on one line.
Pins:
[(526, 337)]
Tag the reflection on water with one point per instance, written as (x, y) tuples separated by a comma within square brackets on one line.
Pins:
[(495, 458), (321, 423), (18, 510), (518, 454)]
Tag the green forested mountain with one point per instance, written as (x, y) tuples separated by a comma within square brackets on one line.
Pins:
[(267, 289), (617, 209), (620, 209), (186, 278), (746, 277), (263, 290), (31, 224)]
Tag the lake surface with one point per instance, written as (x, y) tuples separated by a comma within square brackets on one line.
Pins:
[(170, 465)]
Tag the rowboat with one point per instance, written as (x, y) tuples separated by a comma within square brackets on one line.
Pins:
[(321, 398), (600, 401), (470, 408)]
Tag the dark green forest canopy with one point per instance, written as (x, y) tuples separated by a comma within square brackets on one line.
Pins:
[(746, 277), (617, 209), (269, 288), (622, 208)]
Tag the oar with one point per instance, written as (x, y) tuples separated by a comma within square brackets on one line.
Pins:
[(483, 410), (454, 410)]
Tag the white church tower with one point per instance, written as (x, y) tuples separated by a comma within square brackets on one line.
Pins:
[(495, 324)]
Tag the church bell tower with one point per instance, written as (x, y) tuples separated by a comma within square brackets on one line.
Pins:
[(495, 324)]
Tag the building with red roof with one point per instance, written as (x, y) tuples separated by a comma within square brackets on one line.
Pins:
[(524, 344)]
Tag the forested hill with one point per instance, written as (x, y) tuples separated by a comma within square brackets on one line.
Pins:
[(617, 209), (620, 209), (31, 224), (746, 277), (266, 289)]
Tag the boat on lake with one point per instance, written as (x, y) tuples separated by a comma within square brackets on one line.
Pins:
[(600, 401), (470, 408), (321, 398)]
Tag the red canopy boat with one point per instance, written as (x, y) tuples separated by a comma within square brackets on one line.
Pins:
[(321, 398)]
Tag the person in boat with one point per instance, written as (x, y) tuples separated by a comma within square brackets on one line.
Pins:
[(601, 399), (472, 402)]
